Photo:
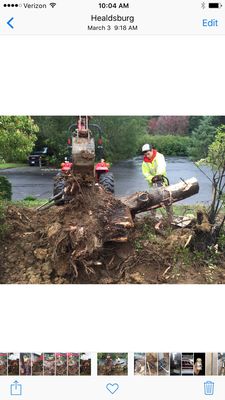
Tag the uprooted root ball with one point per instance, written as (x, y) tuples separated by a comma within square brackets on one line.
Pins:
[(74, 244), (60, 244)]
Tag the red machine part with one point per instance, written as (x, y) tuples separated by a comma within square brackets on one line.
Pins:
[(102, 166), (66, 166)]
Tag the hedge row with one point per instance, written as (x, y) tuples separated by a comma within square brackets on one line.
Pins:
[(169, 145)]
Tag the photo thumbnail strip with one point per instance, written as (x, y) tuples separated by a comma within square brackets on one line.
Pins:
[(45, 364), (112, 364)]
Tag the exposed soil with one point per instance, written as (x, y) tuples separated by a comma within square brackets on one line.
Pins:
[(3, 369), (73, 370), (37, 368), (49, 367), (61, 370), (69, 244)]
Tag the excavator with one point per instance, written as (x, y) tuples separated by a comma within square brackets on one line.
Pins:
[(82, 163)]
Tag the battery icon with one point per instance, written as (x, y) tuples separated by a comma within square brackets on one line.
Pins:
[(215, 5)]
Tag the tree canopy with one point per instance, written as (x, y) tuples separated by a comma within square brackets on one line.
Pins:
[(216, 161), (216, 151), (202, 137), (53, 132), (17, 137), (123, 136), (120, 134), (168, 125)]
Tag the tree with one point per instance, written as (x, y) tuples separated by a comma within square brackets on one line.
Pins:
[(194, 122), (53, 132), (216, 160), (17, 137), (165, 125), (120, 135), (202, 137), (152, 125)]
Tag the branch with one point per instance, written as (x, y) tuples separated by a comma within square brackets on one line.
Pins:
[(220, 226), (213, 180), (203, 172)]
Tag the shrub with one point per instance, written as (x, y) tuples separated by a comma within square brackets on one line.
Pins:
[(3, 227), (169, 145), (5, 189), (29, 198)]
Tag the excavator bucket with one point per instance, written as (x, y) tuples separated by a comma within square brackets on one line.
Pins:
[(83, 155), (83, 149)]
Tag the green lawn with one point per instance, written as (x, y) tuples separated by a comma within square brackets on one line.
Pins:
[(12, 165), (29, 202), (182, 210), (178, 209)]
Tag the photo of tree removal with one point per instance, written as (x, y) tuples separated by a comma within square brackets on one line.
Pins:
[(113, 364), (112, 199)]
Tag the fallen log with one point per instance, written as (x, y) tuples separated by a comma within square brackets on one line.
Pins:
[(160, 196)]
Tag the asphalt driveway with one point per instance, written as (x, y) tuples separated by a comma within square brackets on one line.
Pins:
[(30, 181)]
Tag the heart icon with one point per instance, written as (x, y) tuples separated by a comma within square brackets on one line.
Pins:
[(112, 387)]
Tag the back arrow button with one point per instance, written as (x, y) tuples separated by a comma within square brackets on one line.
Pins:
[(9, 23)]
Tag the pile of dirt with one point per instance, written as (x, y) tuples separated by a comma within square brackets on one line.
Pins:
[(170, 256), (62, 244), (73, 244)]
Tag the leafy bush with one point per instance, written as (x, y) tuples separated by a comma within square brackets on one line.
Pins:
[(169, 145), (221, 241), (5, 189), (29, 198), (3, 226)]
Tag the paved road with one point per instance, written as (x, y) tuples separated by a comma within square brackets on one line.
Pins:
[(129, 178), (32, 181)]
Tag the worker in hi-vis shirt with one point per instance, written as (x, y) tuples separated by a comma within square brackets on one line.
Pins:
[(154, 171)]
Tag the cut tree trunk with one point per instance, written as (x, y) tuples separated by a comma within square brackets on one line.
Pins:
[(205, 233), (160, 196), (121, 221), (119, 224)]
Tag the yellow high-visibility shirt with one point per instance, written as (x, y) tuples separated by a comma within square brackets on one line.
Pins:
[(156, 167)]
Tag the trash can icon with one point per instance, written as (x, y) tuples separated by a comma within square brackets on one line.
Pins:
[(209, 388)]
